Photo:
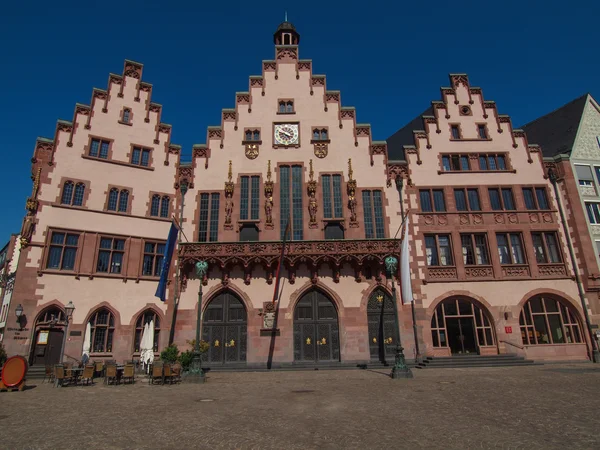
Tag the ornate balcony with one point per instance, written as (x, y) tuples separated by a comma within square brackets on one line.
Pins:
[(360, 254)]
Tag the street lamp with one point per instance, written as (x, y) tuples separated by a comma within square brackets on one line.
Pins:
[(19, 313), (69, 313), (400, 369), (196, 374)]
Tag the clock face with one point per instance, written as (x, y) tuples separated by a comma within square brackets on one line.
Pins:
[(286, 134)]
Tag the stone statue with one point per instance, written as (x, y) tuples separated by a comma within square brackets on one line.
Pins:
[(228, 210), (312, 207), (27, 230), (269, 210), (352, 207)]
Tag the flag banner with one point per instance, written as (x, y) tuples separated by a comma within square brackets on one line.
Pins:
[(161, 290), (406, 285), (278, 276)]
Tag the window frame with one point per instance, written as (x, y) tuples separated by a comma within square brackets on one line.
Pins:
[(596, 212), (64, 246), (140, 323), (291, 192), (455, 127), (109, 335), (121, 191), (431, 194), (212, 224), (112, 251), (251, 201), (287, 109), (254, 133), (465, 191), (546, 254), (157, 258), (529, 327), (474, 248), (480, 127), (126, 116), (534, 193), (142, 150), (322, 132), (74, 193), (334, 207), (501, 190), (436, 237), (585, 181), (101, 141), (508, 235)]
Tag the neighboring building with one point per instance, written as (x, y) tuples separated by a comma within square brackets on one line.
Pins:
[(9, 261), (491, 269), (106, 187), (570, 141)]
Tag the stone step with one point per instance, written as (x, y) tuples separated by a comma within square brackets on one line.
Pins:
[(489, 364)]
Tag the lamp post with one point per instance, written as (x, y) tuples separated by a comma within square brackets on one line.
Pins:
[(69, 312), (196, 374), (400, 369)]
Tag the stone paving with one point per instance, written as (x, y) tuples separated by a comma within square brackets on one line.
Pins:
[(550, 406)]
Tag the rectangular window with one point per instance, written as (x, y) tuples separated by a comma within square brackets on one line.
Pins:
[(446, 163), (209, 217), (545, 245), (593, 210), (535, 198), (510, 248), (140, 156), (461, 200), (438, 250), (492, 162), (110, 255), (249, 197), (62, 251), (501, 199), (373, 214), (153, 259), (467, 199), (474, 249), (584, 175), (332, 196), (432, 200), (99, 148), (290, 190), (597, 170), (482, 131), (455, 132), (320, 134), (251, 135)]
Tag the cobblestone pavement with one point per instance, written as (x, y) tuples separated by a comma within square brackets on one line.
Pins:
[(550, 406)]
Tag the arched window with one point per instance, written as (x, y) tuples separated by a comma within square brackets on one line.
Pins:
[(324, 134), (155, 206), (102, 329), (113, 199), (546, 320), (289, 107), (164, 206), (256, 135), (316, 135), (50, 315), (79, 192), (248, 135), (286, 39), (126, 115), (123, 200), (282, 107), (67, 194), (143, 319)]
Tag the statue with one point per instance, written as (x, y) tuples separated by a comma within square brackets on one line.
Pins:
[(312, 207), (228, 210), (269, 210), (352, 207), (28, 227)]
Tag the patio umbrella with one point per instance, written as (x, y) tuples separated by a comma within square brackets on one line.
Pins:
[(85, 357), (150, 342), (143, 345)]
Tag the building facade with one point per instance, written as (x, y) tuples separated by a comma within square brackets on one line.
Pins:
[(9, 260), (490, 268)]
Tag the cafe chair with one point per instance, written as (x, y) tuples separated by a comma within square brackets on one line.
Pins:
[(88, 374)]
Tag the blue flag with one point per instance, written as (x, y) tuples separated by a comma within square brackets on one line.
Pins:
[(161, 290)]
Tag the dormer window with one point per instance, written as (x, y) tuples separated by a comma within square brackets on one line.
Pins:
[(320, 134), (252, 135), (286, 107), (126, 115)]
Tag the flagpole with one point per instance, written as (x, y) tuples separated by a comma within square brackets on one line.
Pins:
[(183, 188)]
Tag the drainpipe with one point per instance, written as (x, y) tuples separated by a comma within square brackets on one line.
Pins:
[(399, 185), (595, 356)]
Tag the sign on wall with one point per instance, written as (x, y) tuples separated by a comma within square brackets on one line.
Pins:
[(508, 330), (43, 337)]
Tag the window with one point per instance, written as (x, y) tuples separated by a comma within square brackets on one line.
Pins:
[(492, 162), (72, 194), (63, 250), (334, 231), (467, 199), (145, 318), (438, 250), (545, 320), (140, 156), (110, 255), (474, 249), (332, 196), (286, 106), (160, 206), (545, 246), (481, 130), (510, 248), (209, 218), (535, 198), (126, 115), (455, 131), (597, 170), (290, 194), (118, 200), (593, 210), (501, 199), (252, 135), (249, 233), (373, 214), (432, 200), (102, 329), (153, 259), (456, 308), (249, 197), (320, 134), (455, 163), (99, 148), (584, 174)]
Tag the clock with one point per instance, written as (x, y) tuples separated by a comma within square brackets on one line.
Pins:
[(286, 134)]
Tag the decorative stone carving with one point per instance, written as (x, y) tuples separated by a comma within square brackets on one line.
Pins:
[(312, 200), (477, 219), (256, 82), (464, 219), (269, 65), (229, 199), (442, 273), (347, 114), (442, 219), (28, 228), (351, 189), (303, 65), (534, 218), (552, 270), (516, 271), (332, 97), (512, 218), (363, 131), (428, 219), (321, 150), (318, 81), (132, 70), (499, 218), (587, 190), (252, 151), (269, 199), (478, 272), (547, 217)]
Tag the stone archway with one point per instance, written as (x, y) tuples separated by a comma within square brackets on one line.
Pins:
[(316, 329), (383, 326), (48, 337), (224, 327)]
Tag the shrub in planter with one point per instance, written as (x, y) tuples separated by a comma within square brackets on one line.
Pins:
[(2, 354), (170, 354)]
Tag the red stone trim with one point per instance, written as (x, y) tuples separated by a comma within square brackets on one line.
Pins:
[(119, 163)]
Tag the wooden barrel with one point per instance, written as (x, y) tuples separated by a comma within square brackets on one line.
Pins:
[(14, 371)]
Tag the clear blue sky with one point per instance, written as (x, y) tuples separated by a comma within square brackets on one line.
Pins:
[(388, 59)]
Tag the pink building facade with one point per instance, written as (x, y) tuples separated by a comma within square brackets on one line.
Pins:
[(107, 185)]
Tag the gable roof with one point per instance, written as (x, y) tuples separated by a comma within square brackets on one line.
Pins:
[(404, 136), (556, 131)]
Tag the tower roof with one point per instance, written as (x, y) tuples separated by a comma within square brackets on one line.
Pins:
[(288, 28)]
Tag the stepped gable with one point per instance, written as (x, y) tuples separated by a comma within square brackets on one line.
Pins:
[(459, 99)]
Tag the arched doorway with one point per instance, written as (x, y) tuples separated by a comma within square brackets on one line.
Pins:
[(461, 325), (383, 328), (545, 319), (224, 327), (49, 332), (316, 330)]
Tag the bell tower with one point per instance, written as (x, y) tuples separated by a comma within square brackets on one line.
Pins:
[(286, 34)]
